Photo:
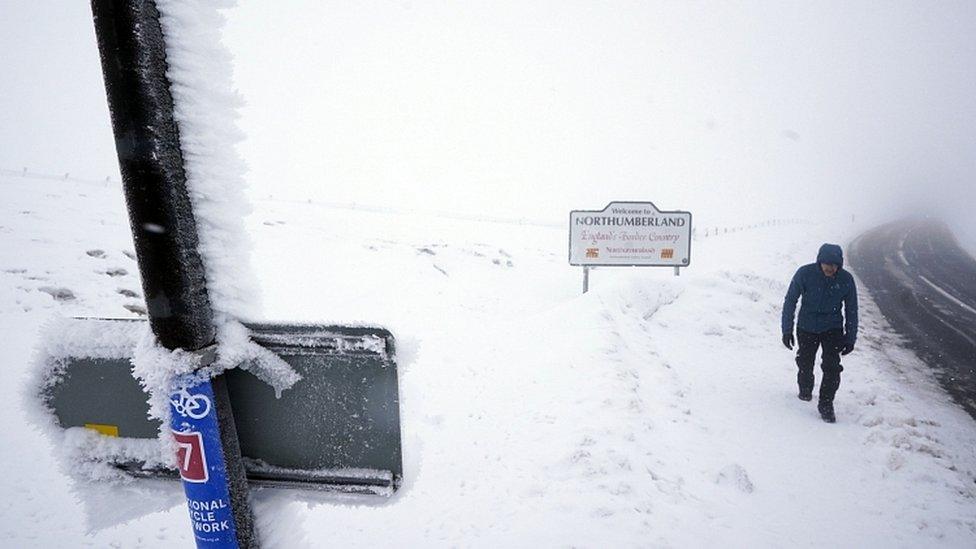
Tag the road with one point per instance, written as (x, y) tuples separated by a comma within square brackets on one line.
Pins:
[(925, 285)]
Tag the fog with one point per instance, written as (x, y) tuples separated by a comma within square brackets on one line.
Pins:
[(53, 112), (766, 109), (738, 113)]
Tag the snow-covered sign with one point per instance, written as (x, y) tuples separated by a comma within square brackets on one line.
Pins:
[(630, 234)]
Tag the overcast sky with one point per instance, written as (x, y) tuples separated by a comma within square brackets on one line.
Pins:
[(535, 108)]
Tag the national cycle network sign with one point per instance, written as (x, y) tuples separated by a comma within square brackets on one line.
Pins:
[(200, 459), (630, 234)]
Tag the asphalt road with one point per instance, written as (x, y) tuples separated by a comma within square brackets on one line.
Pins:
[(925, 285)]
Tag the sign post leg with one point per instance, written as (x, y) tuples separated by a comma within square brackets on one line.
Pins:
[(133, 54), (586, 279), (677, 271), (205, 467)]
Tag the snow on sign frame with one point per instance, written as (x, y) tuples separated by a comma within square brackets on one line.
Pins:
[(629, 234)]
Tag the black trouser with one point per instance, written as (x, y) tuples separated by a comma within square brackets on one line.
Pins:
[(831, 342)]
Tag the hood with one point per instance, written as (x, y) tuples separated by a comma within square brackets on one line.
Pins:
[(831, 253)]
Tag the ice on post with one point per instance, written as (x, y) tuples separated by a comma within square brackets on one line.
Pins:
[(337, 428), (314, 406)]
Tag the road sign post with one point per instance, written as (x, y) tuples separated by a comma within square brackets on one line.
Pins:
[(202, 463), (629, 234), (133, 54)]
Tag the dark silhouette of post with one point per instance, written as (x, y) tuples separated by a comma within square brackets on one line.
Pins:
[(147, 139)]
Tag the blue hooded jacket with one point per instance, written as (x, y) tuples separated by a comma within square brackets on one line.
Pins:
[(820, 310)]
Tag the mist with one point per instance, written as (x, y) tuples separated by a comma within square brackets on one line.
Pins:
[(53, 113), (738, 113)]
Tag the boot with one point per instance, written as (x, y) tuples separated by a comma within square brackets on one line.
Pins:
[(826, 410), (805, 394)]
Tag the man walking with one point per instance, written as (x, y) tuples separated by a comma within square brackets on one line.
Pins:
[(825, 286)]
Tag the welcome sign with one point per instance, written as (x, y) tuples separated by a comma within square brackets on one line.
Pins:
[(630, 234)]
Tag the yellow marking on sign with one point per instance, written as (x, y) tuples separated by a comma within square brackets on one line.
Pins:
[(107, 430)]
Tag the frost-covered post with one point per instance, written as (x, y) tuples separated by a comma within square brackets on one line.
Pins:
[(133, 54)]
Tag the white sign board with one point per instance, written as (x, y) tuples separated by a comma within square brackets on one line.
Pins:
[(630, 234)]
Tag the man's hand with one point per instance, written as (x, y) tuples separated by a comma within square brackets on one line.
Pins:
[(788, 341), (847, 348)]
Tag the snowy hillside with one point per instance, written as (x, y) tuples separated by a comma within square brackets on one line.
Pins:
[(653, 411)]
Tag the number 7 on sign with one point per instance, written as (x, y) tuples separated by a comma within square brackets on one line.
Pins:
[(187, 450), (190, 456)]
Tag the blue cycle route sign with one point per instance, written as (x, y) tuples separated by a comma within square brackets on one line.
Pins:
[(201, 463)]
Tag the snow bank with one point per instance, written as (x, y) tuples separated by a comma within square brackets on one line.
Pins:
[(965, 232), (653, 411)]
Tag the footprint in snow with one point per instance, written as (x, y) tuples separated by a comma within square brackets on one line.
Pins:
[(116, 271), (97, 254), (59, 294), (601, 512), (621, 489), (714, 330), (736, 476), (896, 460), (127, 292), (135, 308)]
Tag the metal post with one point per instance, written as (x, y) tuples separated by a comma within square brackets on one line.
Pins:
[(133, 55), (586, 278), (677, 270)]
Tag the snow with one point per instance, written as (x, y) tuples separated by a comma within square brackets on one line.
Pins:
[(83, 338), (964, 229), (654, 410), (82, 453), (88, 456), (161, 372), (206, 106), (236, 349)]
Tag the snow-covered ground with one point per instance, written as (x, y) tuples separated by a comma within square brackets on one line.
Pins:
[(653, 411), (965, 232)]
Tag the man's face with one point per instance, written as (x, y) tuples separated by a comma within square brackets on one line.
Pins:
[(828, 269)]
